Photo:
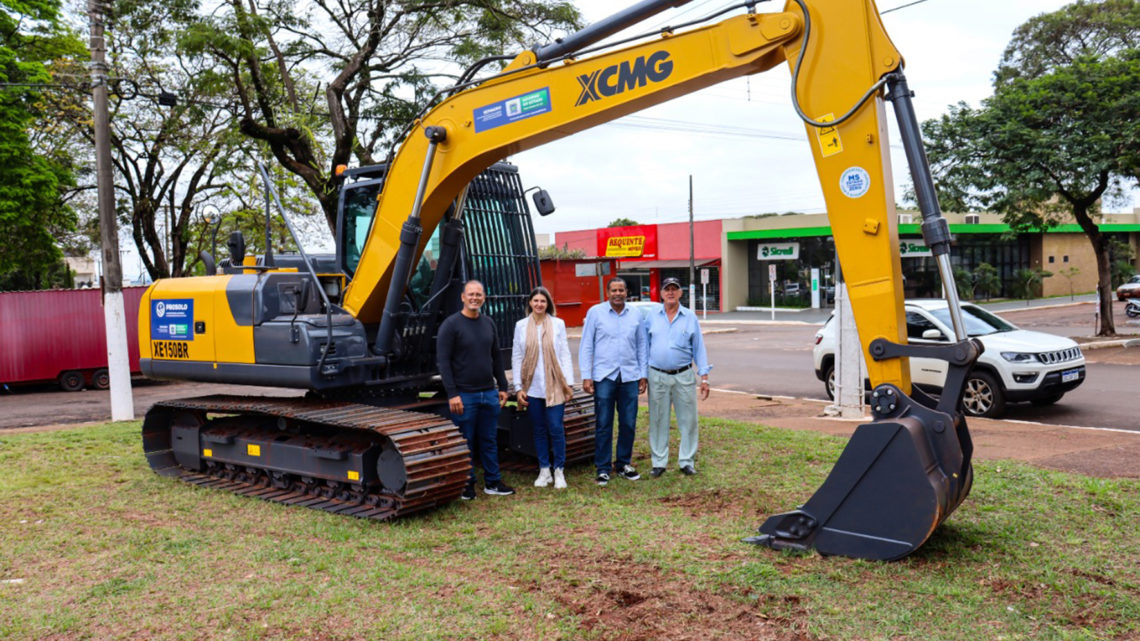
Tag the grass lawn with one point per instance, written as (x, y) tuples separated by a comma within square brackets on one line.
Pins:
[(93, 545)]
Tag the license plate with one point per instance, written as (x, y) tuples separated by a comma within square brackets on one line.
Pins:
[(1070, 375), (170, 350)]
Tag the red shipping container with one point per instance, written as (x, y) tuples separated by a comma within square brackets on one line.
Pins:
[(574, 294), (46, 333)]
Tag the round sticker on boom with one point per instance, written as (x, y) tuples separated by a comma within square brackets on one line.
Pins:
[(854, 182)]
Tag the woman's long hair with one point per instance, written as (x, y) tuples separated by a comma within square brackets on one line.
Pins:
[(545, 293)]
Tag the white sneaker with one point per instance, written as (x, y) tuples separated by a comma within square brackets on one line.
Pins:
[(544, 478), (559, 479)]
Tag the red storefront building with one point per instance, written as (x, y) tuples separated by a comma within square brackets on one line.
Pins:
[(646, 254)]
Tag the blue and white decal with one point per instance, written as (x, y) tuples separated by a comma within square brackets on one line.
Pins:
[(172, 319), (854, 182), (511, 110)]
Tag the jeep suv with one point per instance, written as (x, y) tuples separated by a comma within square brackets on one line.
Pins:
[(1017, 365)]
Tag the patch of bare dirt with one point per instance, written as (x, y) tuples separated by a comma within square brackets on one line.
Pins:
[(722, 502), (620, 599)]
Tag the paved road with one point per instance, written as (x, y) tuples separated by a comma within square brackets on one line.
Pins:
[(776, 360)]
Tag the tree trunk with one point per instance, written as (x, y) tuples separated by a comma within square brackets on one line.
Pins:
[(328, 200), (1107, 326), (1099, 242)]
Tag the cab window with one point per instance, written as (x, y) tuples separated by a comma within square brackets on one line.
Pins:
[(359, 210)]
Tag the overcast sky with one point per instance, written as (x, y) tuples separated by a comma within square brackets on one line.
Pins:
[(741, 141)]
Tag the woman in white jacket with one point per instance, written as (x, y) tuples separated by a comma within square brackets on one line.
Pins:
[(543, 373)]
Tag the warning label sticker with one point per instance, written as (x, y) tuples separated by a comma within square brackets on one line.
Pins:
[(829, 142)]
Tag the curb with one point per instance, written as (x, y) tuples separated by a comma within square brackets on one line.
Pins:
[(1123, 342)]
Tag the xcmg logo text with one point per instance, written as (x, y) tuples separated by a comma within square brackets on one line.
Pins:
[(630, 74)]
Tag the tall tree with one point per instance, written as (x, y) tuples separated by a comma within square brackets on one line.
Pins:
[(32, 212), (1079, 30), (169, 158), (1059, 134), (378, 61)]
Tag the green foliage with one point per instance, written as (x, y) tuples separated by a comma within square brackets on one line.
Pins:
[(1059, 133), (324, 83), (554, 252), (1079, 30), (1026, 282), (986, 281), (55, 275), (112, 550), (1123, 264), (168, 160), (32, 212), (1069, 273), (622, 222), (1040, 148), (964, 283)]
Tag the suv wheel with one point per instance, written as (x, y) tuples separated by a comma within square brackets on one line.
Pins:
[(983, 396), (829, 381)]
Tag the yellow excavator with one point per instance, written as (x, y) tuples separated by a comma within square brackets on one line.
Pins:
[(357, 331)]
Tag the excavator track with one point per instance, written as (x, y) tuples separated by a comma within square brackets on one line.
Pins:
[(346, 458), (579, 423)]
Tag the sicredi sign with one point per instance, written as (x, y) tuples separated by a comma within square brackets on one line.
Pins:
[(778, 251), (913, 248)]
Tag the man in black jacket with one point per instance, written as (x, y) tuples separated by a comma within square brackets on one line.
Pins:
[(471, 365)]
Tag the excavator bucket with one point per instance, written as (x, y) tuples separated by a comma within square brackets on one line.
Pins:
[(894, 483)]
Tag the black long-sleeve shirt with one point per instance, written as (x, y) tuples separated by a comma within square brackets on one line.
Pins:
[(468, 356)]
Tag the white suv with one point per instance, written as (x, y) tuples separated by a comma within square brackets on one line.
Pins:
[(1017, 364)]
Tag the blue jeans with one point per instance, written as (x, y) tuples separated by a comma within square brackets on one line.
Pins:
[(608, 395), (549, 433), (479, 424)]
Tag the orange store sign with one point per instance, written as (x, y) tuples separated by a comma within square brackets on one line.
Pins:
[(638, 241)]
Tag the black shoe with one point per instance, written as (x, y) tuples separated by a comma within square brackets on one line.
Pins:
[(498, 489), (628, 473), (468, 492), (688, 470), (603, 478), (656, 472)]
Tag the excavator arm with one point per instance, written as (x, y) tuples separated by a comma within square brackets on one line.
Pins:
[(533, 103), (900, 475)]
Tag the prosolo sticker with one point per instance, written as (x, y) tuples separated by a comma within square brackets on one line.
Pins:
[(854, 182)]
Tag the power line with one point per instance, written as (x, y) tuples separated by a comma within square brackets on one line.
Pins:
[(901, 6)]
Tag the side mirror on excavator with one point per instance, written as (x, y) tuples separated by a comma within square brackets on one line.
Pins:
[(236, 244), (543, 203)]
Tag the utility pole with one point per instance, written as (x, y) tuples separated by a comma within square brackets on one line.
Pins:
[(114, 318), (692, 257)]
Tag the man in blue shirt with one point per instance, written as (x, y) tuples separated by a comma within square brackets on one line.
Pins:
[(676, 358), (613, 357)]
